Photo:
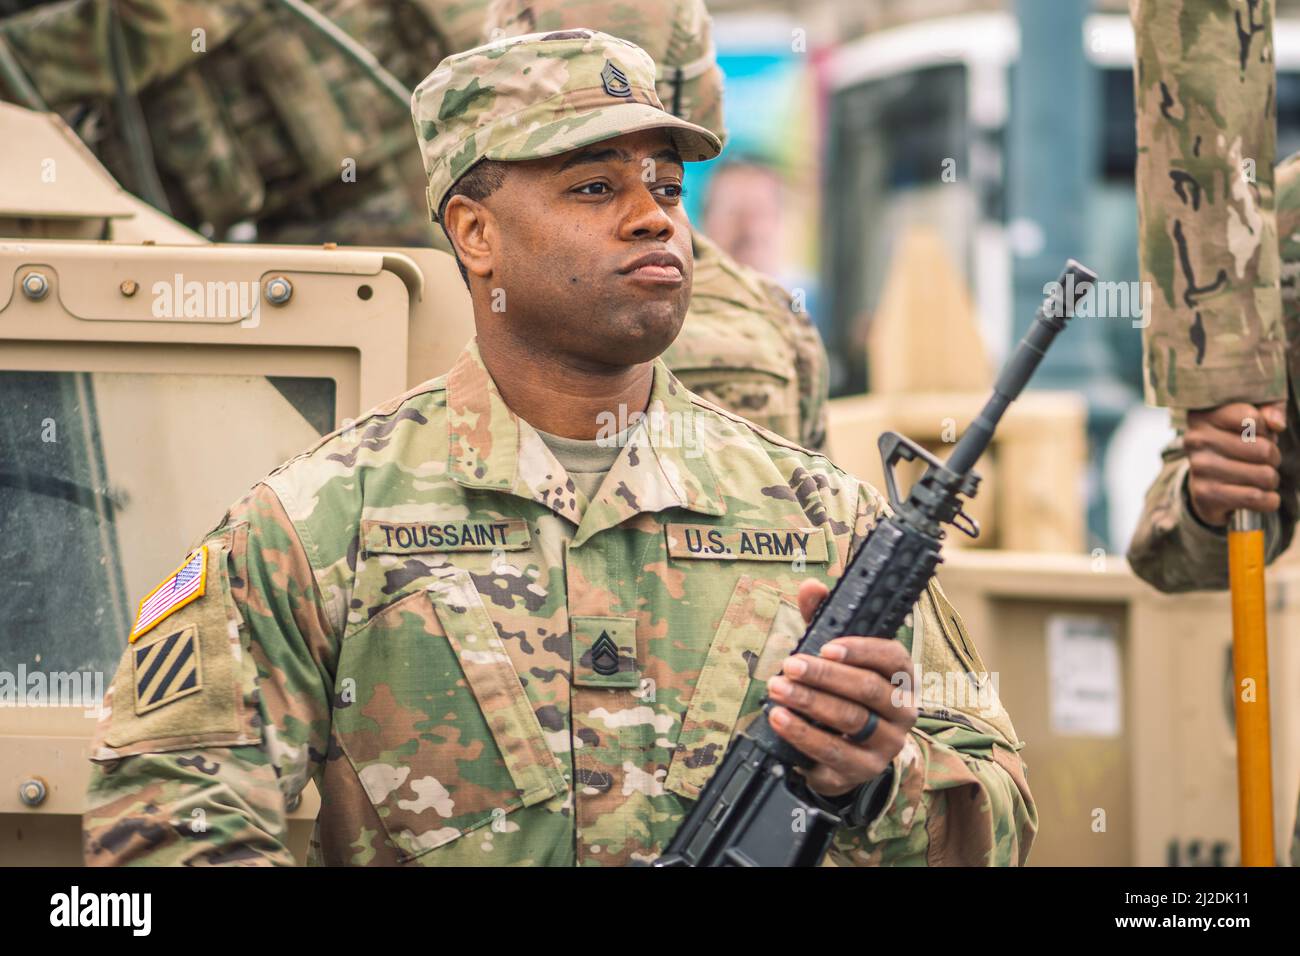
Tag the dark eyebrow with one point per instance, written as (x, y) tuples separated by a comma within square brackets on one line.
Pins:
[(585, 156), (669, 156), (593, 156)]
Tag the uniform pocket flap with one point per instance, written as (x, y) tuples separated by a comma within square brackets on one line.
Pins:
[(721, 688), (500, 695)]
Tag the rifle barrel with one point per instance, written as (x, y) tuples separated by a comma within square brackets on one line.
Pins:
[(1075, 282)]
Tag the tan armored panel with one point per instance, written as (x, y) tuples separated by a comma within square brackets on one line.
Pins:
[(442, 317), (145, 388), (54, 188)]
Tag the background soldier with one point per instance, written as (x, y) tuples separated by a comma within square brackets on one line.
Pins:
[(498, 639), (1210, 251), (1208, 471)]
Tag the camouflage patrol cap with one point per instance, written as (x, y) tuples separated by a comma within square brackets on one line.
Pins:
[(678, 36), (539, 95)]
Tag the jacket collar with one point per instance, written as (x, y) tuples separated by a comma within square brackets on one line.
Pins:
[(662, 465)]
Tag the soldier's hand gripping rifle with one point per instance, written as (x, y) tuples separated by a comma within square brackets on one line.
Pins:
[(756, 810)]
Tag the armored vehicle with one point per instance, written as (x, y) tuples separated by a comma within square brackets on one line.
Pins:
[(148, 377)]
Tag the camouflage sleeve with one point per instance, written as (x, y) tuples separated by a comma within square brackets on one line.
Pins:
[(958, 795), (811, 367), (64, 49), (1204, 88), (814, 384), (218, 715), (1174, 551)]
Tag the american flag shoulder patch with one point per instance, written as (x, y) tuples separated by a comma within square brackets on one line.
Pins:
[(184, 585), (166, 669)]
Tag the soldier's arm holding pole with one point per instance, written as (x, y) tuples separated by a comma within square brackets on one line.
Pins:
[(1180, 541), (1213, 343), (1207, 471)]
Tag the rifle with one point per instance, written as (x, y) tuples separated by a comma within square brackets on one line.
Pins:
[(756, 810)]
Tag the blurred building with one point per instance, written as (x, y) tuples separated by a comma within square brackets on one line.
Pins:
[(1008, 127)]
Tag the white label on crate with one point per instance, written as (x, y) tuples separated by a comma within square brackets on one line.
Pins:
[(1083, 666)]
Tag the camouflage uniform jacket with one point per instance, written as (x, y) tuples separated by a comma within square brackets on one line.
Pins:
[(414, 615)]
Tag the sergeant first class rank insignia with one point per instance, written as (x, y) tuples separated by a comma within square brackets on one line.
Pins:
[(615, 80)]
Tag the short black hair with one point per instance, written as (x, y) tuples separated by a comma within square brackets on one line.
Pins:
[(480, 181)]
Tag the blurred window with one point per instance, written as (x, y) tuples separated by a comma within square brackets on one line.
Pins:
[(890, 142), (98, 473)]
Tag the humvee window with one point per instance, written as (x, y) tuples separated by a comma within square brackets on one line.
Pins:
[(98, 503)]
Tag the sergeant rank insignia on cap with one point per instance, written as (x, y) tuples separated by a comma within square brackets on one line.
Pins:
[(185, 585), (615, 80)]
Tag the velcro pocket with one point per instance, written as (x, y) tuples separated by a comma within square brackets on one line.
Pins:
[(723, 685), (435, 721), (536, 772), (179, 683)]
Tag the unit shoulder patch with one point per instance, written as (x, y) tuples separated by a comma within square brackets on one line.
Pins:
[(166, 669), (182, 684)]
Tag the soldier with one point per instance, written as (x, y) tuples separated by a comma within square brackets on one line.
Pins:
[(747, 345), (496, 626), (1212, 248), (244, 113), (1208, 470)]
